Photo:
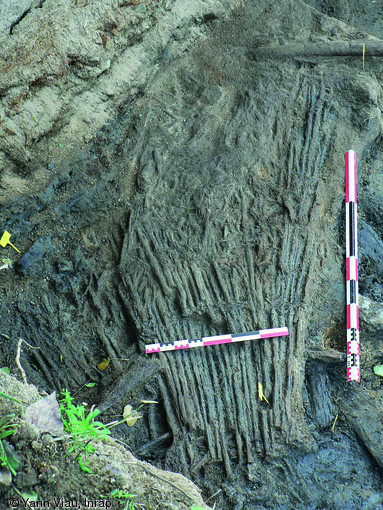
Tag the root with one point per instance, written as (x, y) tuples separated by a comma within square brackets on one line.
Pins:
[(18, 353)]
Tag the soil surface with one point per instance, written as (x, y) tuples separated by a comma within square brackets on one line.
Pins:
[(173, 169)]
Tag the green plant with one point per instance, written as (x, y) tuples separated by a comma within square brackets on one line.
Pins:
[(7, 263), (82, 428), (124, 494), (194, 507), (7, 459)]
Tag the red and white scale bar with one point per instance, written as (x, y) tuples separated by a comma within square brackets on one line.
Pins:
[(215, 340), (353, 350)]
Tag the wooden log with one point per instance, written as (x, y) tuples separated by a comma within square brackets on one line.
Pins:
[(319, 49)]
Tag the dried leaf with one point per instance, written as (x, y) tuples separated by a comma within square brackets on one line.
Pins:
[(104, 364), (105, 41), (260, 393), (130, 415), (333, 425)]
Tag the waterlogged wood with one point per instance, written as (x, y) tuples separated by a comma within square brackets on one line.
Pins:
[(134, 377), (319, 49), (368, 431), (210, 395)]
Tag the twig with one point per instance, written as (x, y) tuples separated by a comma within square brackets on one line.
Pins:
[(21, 495), (81, 387), (333, 425), (18, 353), (213, 496)]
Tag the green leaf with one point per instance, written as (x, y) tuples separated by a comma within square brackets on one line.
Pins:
[(6, 433), (122, 318), (9, 397), (121, 494), (32, 496), (6, 370), (84, 465), (8, 457), (90, 385), (378, 369)]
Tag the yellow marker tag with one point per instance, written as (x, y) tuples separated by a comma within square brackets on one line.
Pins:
[(149, 401), (364, 51), (260, 393), (5, 240), (104, 364)]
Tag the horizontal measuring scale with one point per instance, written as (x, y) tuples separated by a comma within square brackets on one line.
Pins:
[(216, 340)]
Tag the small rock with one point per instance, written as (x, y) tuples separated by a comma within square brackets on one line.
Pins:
[(5, 476), (371, 313), (45, 415)]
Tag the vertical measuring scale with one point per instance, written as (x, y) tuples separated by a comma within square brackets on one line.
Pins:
[(353, 350)]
